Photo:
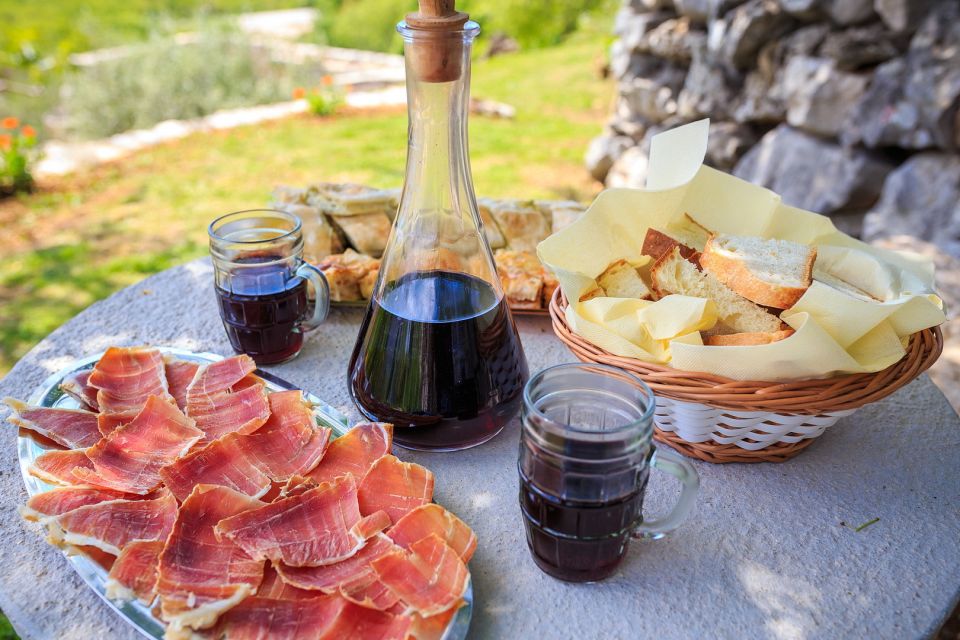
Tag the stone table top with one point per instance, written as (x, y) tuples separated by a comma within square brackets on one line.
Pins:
[(766, 552)]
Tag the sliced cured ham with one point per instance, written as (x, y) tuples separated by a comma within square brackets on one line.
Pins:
[(362, 623), (355, 452), (201, 575), (133, 575), (353, 578), (287, 444), (318, 527), (72, 428), (130, 458), (218, 408), (51, 504), (222, 463), (179, 374), (111, 525), (395, 487), (260, 618), (107, 423), (57, 467), (297, 485), (430, 578), (126, 376), (273, 587), (434, 519), (77, 386), (432, 627)]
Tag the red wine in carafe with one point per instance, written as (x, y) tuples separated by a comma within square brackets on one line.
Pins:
[(262, 310), (438, 356)]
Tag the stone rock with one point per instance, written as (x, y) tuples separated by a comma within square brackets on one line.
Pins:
[(631, 27), (709, 90), (673, 40), (813, 174), (624, 122), (819, 97), (649, 5), (727, 143), (653, 97), (700, 11), (737, 38), (904, 15), (914, 100), (920, 198), (847, 12), (858, 47), (603, 151), (806, 9), (760, 101), (630, 169)]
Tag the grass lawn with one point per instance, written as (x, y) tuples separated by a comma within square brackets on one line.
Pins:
[(81, 238)]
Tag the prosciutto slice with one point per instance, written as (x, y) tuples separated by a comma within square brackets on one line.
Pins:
[(273, 587), (179, 374), (77, 386), (130, 458), (126, 376), (430, 578), (55, 502), (259, 618), (355, 452), (107, 423), (287, 444), (133, 575), (431, 627), (353, 578), (57, 467), (111, 525), (317, 527), (395, 487), (218, 408), (362, 623), (71, 428), (434, 519), (201, 575)]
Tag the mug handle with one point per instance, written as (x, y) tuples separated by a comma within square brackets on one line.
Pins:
[(321, 306), (683, 471)]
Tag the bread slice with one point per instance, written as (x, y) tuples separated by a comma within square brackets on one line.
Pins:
[(622, 280), (746, 339), (673, 274), (657, 242), (774, 273)]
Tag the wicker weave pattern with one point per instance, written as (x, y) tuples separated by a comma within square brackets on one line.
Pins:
[(722, 420)]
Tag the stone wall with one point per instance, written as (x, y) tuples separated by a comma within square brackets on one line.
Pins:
[(850, 108)]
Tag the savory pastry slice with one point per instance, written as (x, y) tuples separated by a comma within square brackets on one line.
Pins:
[(348, 199), (522, 277), (367, 233), (320, 238), (672, 274), (490, 229), (770, 272), (560, 214), (348, 275), (622, 280), (521, 223)]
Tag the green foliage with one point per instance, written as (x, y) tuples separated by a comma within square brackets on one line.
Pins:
[(16, 154), (6, 629), (369, 24), (163, 80), (324, 100)]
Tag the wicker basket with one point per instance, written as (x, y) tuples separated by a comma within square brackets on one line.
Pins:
[(722, 420)]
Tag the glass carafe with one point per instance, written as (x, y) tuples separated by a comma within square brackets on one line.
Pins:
[(438, 353)]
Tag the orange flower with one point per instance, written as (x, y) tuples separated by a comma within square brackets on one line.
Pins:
[(6, 141), (327, 80), (299, 93), (10, 123), (28, 131)]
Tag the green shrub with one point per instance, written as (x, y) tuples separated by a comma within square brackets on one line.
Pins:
[(16, 153), (369, 24), (161, 80)]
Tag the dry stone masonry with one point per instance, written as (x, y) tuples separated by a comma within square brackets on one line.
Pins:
[(846, 107)]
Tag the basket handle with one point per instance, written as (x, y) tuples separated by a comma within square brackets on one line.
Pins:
[(682, 470)]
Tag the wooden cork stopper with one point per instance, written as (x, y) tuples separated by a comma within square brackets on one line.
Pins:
[(437, 47)]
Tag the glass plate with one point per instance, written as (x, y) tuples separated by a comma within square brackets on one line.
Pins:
[(93, 573)]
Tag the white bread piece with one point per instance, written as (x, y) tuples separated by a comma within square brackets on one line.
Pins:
[(673, 274), (774, 273), (622, 280), (746, 339)]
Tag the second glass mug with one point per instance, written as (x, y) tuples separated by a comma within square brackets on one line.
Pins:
[(585, 454), (261, 283)]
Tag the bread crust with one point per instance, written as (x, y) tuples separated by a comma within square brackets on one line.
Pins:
[(656, 243), (746, 339), (735, 274)]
